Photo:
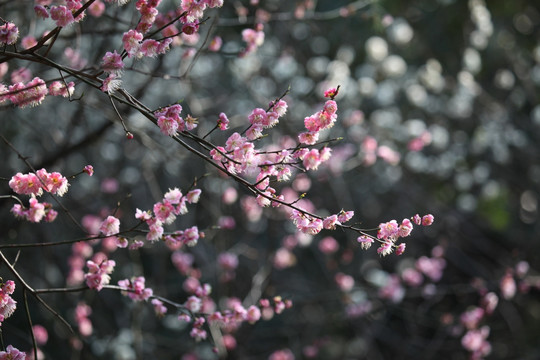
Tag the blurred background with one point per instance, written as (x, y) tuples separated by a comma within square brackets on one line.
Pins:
[(438, 113)]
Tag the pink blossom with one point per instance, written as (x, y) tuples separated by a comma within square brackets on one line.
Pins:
[(132, 42), (427, 220), (508, 286), (12, 353), (111, 84), (164, 46), (155, 230), (28, 41), (164, 212), (173, 196), (365, 241), (258, 117), (226, 222), (228, 261), (142, 215), (312, 159), (62, 15), (135, 288), (22, 74), (490, 302), (193, 196), (215, 44), (283, 258), (330, 107), (223, 122), (431, 267), (193, 304), (148, 17), (150, 48), (97, 8), (328, 245), (110, 226), (112, 63), (89, 169), (405, 228), (253, 314), (198, 334), (8, 287), (284, 354), (254, 38), (331, 93), (9, 33), (41, 11), (182, 261), (386, 248), (191, 236), (400, 249), (190, 28), (309, 138), (76, 61), (168, 126), (98, 274), (475, 342), (36, 211), (31, 94), (392, 290), (412, 277), (345, 216), (389, 155), (40, 333), (191, 284), (388, 230), (344, 281), (58, 88), (254, 132), (28, 184), (191, 122), (159, 308), (53, 182)]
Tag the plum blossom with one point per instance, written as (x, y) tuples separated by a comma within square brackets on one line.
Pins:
[(9, 33), (112, 63), (62, 15), (98, 274), (58, 88), (31, 94), (110, 226), (135, 288), (132, 42), (12, 353)]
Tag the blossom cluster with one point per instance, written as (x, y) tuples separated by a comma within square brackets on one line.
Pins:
[(135, 288), (389, 232), (99, 273), (82, 313), (170, 122), (137, 45), (59, 88), (174, 203), (321, 120), (7, 304), (34, 184), (195, 8), (239, 155), (253, 38), (35, 212), (23, 95)]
